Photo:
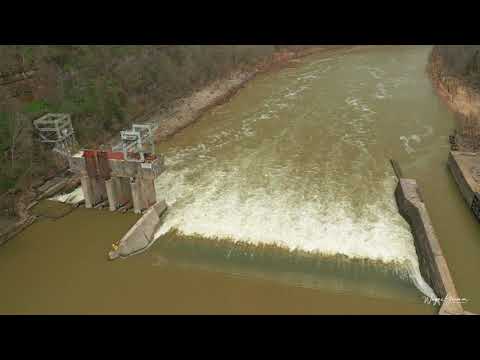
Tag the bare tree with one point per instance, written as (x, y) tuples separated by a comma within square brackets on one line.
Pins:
[(16, 123)]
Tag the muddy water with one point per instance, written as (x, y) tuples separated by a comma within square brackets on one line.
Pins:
[(59, 267), (280, 202)]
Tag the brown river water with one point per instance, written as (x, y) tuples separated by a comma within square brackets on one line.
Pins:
[(280, 202)]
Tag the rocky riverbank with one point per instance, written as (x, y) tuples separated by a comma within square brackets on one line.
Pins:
[(461, 97), (25, 201), (189, 109)]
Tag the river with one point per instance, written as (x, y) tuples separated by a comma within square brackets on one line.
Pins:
[(280, 201)]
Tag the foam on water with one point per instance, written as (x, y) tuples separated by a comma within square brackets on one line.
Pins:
[(70, 198), (282, 218)]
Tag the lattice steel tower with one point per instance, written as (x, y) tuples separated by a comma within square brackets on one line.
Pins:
[(57, 129)]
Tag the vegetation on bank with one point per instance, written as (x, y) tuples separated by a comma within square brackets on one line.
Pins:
[(103, 87), (459, 61), (455, 72)]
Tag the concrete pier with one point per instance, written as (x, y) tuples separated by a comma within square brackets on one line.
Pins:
[(433, 265), (94, 191), (141, 235), (107, 175), (465, 168), (143, 194), (119, 192), (112, 193), (136, 196)]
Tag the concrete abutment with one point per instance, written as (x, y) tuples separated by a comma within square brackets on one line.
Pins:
[(106, 175), (141, 235), (94, 190), (433, 265)]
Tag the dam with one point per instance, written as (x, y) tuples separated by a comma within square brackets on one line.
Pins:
[(294, 167)]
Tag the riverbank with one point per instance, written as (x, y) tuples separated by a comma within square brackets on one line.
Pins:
[(26, 201), (460, 97), (189, 109)]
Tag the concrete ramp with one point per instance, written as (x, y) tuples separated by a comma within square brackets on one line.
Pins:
[(140, 236)]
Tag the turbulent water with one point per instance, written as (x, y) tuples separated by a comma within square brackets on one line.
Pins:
[(70, 198), (300, 159)]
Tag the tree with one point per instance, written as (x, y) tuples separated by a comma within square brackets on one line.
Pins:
[(15, 124)]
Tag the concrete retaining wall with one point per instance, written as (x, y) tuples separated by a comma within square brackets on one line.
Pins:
[(106, 177), (466, 184), (433, 265), (118, 192), (141, 234), (94, 191)]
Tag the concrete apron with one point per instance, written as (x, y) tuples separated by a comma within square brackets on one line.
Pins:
[(433, 265), (140, 235)]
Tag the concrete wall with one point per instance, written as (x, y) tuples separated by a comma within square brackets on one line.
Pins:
[(460, 176), (150, 170), (125, 192), (94, 190), (141, 234), (143, 194), (119, 192), (112, 193), (433, 265)]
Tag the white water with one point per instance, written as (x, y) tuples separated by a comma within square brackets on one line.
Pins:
[(70, 198), (221, 205)]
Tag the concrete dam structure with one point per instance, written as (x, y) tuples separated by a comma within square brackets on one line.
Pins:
[(123, 176), (108, 176), (105, 175)]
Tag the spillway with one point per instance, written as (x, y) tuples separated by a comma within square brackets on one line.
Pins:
[(299, 159)]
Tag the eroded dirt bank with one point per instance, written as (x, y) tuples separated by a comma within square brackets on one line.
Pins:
[(457, 93)]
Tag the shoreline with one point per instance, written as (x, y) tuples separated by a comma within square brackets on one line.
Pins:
[(188, 110), (461, 99)]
